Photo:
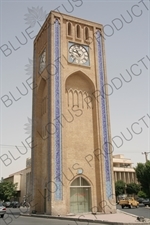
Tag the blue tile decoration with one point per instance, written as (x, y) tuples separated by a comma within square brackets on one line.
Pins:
[(103, 110), (57, 112)]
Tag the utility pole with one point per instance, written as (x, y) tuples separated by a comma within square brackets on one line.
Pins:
[(146, 153)]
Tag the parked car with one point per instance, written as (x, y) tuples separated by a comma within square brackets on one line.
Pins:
[(7, 204), (140, 200), (146, 202), (15, 204), (128, 202), (2, 210)]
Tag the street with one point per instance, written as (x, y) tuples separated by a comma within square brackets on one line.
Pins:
[(40, 221), (141, 211), (13, 217)]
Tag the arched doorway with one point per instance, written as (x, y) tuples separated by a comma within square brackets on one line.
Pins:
[(80, 196)]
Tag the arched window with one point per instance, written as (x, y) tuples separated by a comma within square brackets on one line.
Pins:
[(86, 33), (69, 30), (78, 33), (80, 182), (80, 196)]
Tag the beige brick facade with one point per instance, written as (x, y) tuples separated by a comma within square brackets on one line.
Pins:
[(72, 169)]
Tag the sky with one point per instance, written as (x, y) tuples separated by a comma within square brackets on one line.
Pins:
[(127, 45)]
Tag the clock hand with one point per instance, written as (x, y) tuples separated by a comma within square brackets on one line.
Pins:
[(72, 54), (77, 52), (80, 53)]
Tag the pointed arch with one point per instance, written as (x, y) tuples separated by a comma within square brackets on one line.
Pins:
[(78, 31), (79, 81), (76, 98), (69, 29), (82, 87), (80, 181), (86, 33), (70, 97), (80, 99)]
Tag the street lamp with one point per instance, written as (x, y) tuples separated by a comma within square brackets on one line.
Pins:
[(146, 153)]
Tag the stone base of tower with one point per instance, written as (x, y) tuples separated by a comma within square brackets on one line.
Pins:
[(62, 209)]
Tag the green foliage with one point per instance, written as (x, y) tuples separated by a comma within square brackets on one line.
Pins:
[(119, 187), (133, 188), (143, 175), (142, 194), (7, 190)]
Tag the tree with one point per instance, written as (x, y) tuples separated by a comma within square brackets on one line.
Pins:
[(142, 194), (7, 190), (119, 187), (133, 188), (143, 175)]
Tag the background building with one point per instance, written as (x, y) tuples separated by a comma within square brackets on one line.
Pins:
[(22, 179), (123, 169)]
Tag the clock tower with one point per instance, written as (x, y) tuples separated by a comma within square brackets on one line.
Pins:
[(72, 169)]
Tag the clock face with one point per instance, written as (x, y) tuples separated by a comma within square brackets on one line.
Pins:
[(78, 54), (42, 61)]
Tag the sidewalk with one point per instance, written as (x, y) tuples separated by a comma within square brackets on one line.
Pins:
[(119, 218)]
